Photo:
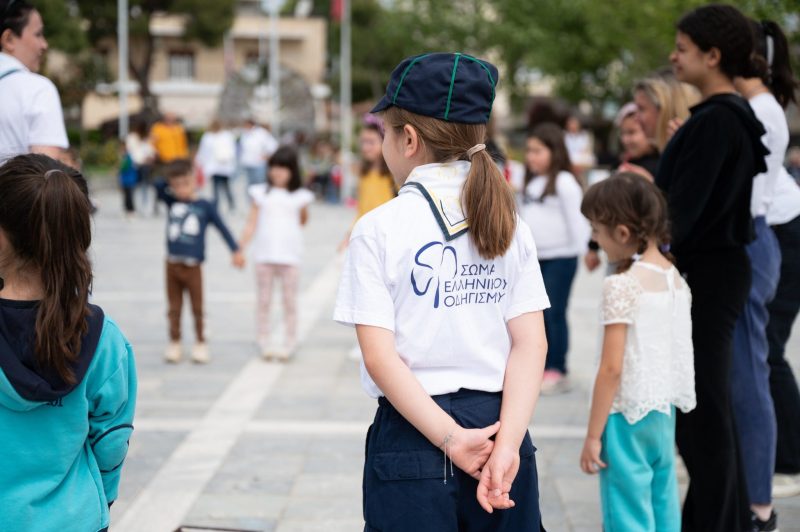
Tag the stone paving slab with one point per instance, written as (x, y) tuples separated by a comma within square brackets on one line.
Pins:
[(297, 466)]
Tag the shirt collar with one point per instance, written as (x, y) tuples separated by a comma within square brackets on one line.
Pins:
[(440, 184)]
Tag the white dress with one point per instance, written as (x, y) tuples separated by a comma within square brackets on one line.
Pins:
[(658, 364)]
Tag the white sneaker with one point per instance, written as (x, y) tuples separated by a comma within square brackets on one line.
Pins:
[(173, 353), (785, 486), (285, 353), (200, 353)]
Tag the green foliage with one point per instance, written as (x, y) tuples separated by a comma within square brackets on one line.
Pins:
[(62, 25), (101, 153), (206, 20), (593, 49)]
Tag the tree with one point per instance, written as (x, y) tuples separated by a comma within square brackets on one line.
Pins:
[(62, 26), (593, 49), (205, 21)]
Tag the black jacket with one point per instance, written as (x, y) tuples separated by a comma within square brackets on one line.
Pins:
[(707, 171)]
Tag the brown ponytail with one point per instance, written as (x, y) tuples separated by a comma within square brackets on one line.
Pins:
[(487, 198), (45, 214)]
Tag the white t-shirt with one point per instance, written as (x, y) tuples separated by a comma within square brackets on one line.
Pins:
[(558, 227), (257, 145), (30, 110), (279, 236), (217, 153), (658, 362), (785, 205), (447, 306), (770, 113)]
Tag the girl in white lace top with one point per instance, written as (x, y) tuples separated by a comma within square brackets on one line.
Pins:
[(647, 364)]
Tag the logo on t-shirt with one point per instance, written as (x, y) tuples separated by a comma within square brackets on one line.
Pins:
[(436, 268)]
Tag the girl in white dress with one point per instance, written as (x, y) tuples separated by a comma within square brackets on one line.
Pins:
[(647, 363)]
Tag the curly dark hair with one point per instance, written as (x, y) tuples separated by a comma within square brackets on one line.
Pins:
[(631, 200), (725, 28)]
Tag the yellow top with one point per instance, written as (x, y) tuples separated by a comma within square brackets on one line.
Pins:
[(169, 141), (374, 190)]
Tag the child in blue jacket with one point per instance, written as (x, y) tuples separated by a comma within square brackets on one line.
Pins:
[(67, 374)]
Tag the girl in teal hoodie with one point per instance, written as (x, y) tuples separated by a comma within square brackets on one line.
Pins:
[(67, 374)]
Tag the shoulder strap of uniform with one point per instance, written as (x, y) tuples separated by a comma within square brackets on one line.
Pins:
[(9, 72)]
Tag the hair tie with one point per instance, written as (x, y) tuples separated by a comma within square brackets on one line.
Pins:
[(769, 41), (770, 50), (51, 172), (475, 149)]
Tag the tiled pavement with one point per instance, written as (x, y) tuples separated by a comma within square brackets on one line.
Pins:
[(243, 444)]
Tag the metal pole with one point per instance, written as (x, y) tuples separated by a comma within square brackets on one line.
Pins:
[(274, 69), (122, 66), (345, 107)]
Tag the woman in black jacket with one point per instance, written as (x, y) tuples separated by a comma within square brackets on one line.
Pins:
[(706, 172)]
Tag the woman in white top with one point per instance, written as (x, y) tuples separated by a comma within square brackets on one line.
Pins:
[(551, 206), (256, 145), (31, 120), (768, 92), (216, 155), (443, 287), (142, 154), (647, 362), (279, 210)]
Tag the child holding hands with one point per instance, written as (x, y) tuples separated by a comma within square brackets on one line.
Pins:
[(188, 218)]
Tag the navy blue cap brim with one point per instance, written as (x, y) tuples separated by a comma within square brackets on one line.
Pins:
[(382, 105)]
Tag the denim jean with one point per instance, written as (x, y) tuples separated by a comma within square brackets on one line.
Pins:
[(558, 275), (783, 386), (256, 175), (752, 402), (222, 187)]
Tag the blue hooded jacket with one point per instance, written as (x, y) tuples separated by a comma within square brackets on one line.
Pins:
[(62, 445)]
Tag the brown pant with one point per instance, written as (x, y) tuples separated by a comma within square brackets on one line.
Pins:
[(181, 278)]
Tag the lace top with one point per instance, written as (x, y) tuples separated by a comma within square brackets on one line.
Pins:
[(658, 364)]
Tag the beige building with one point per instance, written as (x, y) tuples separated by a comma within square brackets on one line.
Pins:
[(189, 78)]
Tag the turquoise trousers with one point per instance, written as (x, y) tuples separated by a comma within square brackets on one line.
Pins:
[(639, 488)]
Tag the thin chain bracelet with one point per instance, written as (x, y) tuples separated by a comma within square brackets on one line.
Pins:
[(445, 446)]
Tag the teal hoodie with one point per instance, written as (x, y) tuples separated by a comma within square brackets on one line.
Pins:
[(62, 446)]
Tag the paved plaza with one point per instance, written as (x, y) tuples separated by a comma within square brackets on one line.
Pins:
[(249, 445)]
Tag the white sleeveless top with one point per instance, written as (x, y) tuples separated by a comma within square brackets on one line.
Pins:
[(658, 364)]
